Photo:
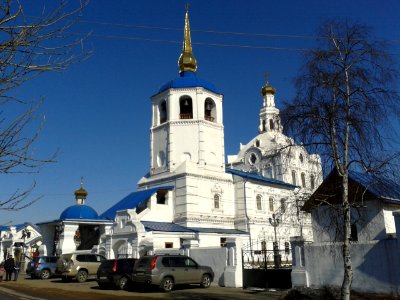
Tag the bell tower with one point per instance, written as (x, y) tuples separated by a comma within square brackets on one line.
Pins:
[(270, 120), (187, 133)]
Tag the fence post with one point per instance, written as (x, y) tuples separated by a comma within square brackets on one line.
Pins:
[(233, 274), (299, 272)]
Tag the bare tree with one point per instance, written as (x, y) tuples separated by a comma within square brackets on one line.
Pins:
[(29, 46), (345, 97)]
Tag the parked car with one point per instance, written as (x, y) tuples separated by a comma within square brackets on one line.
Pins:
[(115, 272), (166, 271), (42, 266), (78, 265)]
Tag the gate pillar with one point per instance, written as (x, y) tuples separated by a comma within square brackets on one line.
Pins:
[(233, 273), (299, 272)]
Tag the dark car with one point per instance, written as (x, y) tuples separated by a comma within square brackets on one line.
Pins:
[(42, 267), (115, 272), (166, 271)]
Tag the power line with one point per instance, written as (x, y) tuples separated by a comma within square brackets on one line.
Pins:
[(290, 36), (202, 30), (120, 37)]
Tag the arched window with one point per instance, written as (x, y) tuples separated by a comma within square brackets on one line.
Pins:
[(271, 204), (257, 143), (217, 201), (186, 108), (294, 177), (163, 112), (301, 157), (209, 110), (259, 202), (303, 180), (263, 126), (312, 181)]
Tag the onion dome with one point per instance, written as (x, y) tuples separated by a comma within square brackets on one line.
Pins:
[(187, 61), (80, 194), (79, 211), (267, 89)]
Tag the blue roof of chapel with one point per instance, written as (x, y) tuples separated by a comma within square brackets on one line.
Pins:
[(188, 79), (79, 211)]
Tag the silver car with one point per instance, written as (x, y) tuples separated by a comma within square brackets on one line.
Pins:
[(166, 271)]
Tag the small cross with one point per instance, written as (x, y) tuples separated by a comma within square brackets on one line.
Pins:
[(81, 181), (187, 7), (266, 76)]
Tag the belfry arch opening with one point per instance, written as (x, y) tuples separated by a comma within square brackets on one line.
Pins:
[(209, 110), (163, 111), (185, 108)]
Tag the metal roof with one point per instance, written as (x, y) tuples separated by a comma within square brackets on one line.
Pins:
[(172, 227), (188, 79), (79, 211), (258, 177), (131, 201), (383, 188)]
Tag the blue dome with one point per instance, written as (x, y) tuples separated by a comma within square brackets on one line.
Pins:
[(188, 79), (79, 212)]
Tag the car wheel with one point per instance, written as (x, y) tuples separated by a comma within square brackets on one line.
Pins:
[(81, 276), (45, 274), (122, 282), (205, 281), (167, 284)]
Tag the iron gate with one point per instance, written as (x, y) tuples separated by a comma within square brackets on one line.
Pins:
[(265, 268)]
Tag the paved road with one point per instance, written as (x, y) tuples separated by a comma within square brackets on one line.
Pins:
[(54, 289)]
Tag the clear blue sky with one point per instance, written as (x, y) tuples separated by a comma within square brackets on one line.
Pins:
[(98, 112)]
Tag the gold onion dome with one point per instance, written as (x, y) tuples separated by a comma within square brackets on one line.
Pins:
[(81, 193), (267, 89), (187, 61)]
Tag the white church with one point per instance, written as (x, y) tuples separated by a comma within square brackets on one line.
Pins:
[(191, 195)]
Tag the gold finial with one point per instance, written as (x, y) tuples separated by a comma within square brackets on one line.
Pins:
[(187, 61), (81, 193), (267, 89)]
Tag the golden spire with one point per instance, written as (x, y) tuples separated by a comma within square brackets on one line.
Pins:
[(187, 62)]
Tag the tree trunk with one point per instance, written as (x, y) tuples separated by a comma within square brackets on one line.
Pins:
[(348, 270)]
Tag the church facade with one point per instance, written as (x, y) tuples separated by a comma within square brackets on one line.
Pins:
[(191, 197)]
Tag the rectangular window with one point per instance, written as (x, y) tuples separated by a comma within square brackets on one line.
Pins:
[(216, 201), (162, 197), (169, 245), (223, 242)]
